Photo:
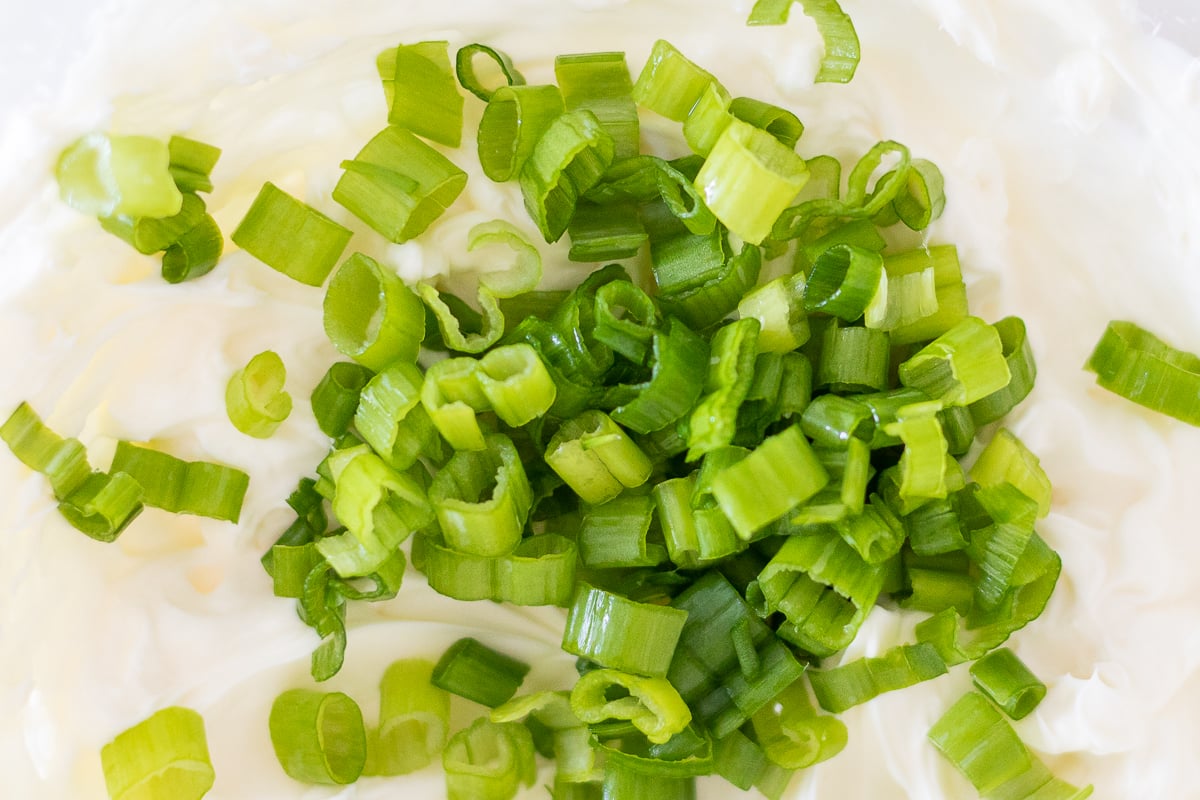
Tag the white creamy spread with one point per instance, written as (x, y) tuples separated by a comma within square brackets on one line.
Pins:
[(1068, 139)]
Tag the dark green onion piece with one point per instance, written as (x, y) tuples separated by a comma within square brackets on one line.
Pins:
[(651, 704), (679, 362), (103, 506), (621, 634), (605, 233), (195, 253), (371, 316), (1008, 683), (512, 124), (741, 761), (1021, 365), (864, 679), (464, 66), (748, 179), (192, 163), (414, 720), (62, 461), (291, 237), (107, 176), (1137, 365), (154, 234), (832, 421), (475, 671), (853, 359), (626, 319), (164, 755), (624, 783), (711, 301), (980, 743), (424, 96), (779, 122), (398, 184), (923, 199), (254, 397), (183, 487), (843, 280), (841, 42), (318, 738), (569, 158), (482, 498), (335, 398), (600, 83), (730, 373), (488, 761)]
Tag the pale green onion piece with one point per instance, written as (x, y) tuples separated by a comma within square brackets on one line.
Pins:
[(949, 289), (482, 498), (748, 179), (539, 572), (371, 316), (622, 634), (477, 672), (414, 720), (694, 536), (318, 738), (902, 300), (779, 122), (600, 83), (464, 66), (195, 253), (979, 742), (526, 272), (254, 398), (570, 157), (596, 458), (651, 704), (452, 396), (874, 532), (516, 383), (398, 184), (777, 476), (104, 175), (512, 124), (388, 417), (961, 366), (163, 757), (863, 679), (425, 97), (998, 550), (291, 237), (62, 461), (708, 119), (778, 305), (488, 761), (451, 327), (183, 487), (923, 198), (792, 733), (842, 52), (192, 163), (923, 462), (1006, 459), (614, 534), (669, 83), (1137, 365)]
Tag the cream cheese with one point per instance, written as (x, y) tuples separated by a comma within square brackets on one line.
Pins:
[(1067, 137)]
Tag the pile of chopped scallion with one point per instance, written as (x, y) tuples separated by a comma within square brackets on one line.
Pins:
[(717, 468)]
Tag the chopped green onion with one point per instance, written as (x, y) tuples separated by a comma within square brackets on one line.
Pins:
[(779, 122), (669, 83), (950, 291), (1021, 365), (62, 461), (195, 253), (793, 735), (626, 320), (742, 762), (163, 756), (708, 302), (1006, 459), (841, 42), (512, 124), (103, 506), (105, 175), (488, 761), (414, 720), (678, 364), (596, 458), (452, 396), (1134, 363), (155, 234), (192, 163), (318, 738), (708, 119), (730, 373), (923, 198), (832, 421), (600, 83), (183, 487), (464, 66), (569, 158), (613, 534), (749, 178), (335, 399), (254, 398), (923, 463), (475, 671), (539, 572), (371, 316), (843, 281), (651, 704), (526, 272), (961, 366), (853, 358), (516, 383), (424, 97), (390, 420), (450, 319), (1005, 679), (482, 498), (621, 634), (605, 232), (291, 237), (858, 681), (778, 305)]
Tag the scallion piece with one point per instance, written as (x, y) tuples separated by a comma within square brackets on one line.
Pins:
[(192, 163), (277, 223), (424, 97), (183, 487), (778, 305), (961, 366), (488, 761), (452, 396), (779, 122), (335, 399), (1006, 459), (163, 756), (669, 83), (450, 313), (949, 289), (614, 534), (1021, 365), (414, 720), (475, 671), (708, 119), (318, 738), (922, 465), (155, 234), (651, 704), (679, 362), (600, 83), (596, 458), (864, 679), (371, 316), (464, 66), (843, 281), (512, 124), (841, 41), (569, 158), (923, 198), (853, 358), (1137, 365), (195, 253), (621, 634), (63, 461), (105, 176), (254, 397), (539, 572), (482, 498), (103, 506), (605, 233), (516, 383), (387, 417), (749, 178), (1007, 682), (526, 271), (730, 373)]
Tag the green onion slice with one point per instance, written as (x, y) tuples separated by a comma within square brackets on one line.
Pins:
[(793, 735), (164, 755), (464, 67), (371, 316), (596, 458), (614, 534), (843, 281), (570, 157), (390, 419), (779, 122), (961, 366), (779, 307), (452, 396), (512, 124), (516, 383), (318, 738), (192, 163), (622, 634), (1021, 365), (254, 397), (842, 52), (488, 761), (424, 97), (651, 704), (482, 498), (475, 671), (776, 477), (678, 363), (335, 399), (863, 679), (1137, 365), (669, 83), (105, 175), (526, 272), (1007, 682), (62, 461), (539, 572), (730, 373), (600, 83), (291, 237), (1006, 459), (154, 234), (414, 720), (183, 487), (195, 253)]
